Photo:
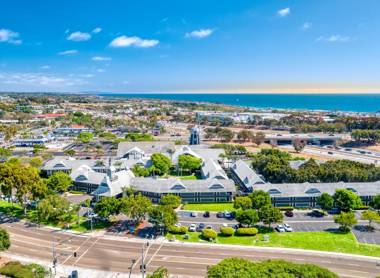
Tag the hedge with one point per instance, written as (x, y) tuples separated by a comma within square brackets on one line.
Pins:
[(285, 208), (209, 234), (178, 230), (227, 231), (18, 270), (246, 231)]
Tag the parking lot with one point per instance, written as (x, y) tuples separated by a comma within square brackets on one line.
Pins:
[(300, 222)]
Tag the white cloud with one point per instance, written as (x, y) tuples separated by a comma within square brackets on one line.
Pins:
[(306, 26), (45, 67), (9, 36), (96, 30), (334, 38), (124, 41), (100, 70), (199, 34), (79, 36), (39, 79), (68, 52), (101, 58), (284, 12)]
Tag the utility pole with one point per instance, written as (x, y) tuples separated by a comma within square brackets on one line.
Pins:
[(131, 267), (54, 259), (143, 267)]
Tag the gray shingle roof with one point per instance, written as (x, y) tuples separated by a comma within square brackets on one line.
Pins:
[(147, 147), (211, 169), (173, 185), (246, 174)]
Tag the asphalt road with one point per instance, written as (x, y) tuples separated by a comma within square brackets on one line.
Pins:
[(182, 259)]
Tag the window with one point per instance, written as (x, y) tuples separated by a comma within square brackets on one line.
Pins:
[(274, 191), (59, 165), (81, 178), (246, 181), (313, 191), (216, 186), (178, 187), (352, 189)]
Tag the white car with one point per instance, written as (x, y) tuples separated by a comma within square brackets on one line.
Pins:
[(193, 227), (288, 228), (227, 214), (280, 229), (224, 225)]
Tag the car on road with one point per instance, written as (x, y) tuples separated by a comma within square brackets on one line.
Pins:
[(220, 214), (289, 213), (200, 227), (192, 227), (316, 213), (287, 227), (280, 228), (193, 214), (206, 214)]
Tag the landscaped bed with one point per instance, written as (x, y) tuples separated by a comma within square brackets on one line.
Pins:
[(321, 241)]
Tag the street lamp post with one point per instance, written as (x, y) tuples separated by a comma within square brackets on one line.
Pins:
[(131, 267), (143, 268)]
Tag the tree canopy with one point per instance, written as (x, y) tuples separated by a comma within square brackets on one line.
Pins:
[(346, 200), (189, 163), (242, 268), (161, 163), (59, 182)]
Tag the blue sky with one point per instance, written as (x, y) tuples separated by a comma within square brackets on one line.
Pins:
[(190, 45)]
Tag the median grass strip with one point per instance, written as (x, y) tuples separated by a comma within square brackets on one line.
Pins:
[(214, 207), (320, 241)]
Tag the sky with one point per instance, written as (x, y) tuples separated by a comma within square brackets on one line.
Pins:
[(190, 46)]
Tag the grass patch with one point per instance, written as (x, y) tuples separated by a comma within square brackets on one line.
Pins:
[(320, 241), (215, 207)]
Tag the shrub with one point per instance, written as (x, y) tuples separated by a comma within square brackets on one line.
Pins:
[(18, 270), (227, 231), (286, 208), (178, 230), (209, 234), (246, 231)]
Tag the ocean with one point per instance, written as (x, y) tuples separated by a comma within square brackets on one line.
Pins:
[(330, 102)]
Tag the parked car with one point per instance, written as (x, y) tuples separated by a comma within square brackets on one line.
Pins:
[(224, 225), (193, 214), (178, 225), (287, 227), (220, 214), (289, 213), (316, 213), (227, 214), (280, 229), (200, 227), (206, 214), (192, 227), (208, 227)]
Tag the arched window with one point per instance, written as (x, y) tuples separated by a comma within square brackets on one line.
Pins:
[(178, 187), (216, 186), (274, 191), (313, 191)]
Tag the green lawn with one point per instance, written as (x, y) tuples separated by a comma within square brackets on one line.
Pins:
[(321, 241), (215, 207)]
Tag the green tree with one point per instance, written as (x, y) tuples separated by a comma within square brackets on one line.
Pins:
[(5, 153), (260, 199), (189, 163), (107, 206), (376, 202), (160, 272), (161, 163), (258, 138), (242, 202), (346, 220), (59, 182), (54, 208), (170, 200), (245, 135), (35, 162), (242, 268), (136, 206), (269, 214), (140, 171), (225, 135), (162, 217), (85, 137), (5, 241), (70, 152), (247, 217), (370, 216), (346, 200), (298, 145), (325, 201)]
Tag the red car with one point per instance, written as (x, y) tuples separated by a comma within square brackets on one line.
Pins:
[(289, 213)]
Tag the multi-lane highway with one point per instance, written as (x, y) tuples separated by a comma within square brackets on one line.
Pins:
[(182, 259)]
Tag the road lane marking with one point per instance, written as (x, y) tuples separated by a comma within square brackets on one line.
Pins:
[(85, 252)]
